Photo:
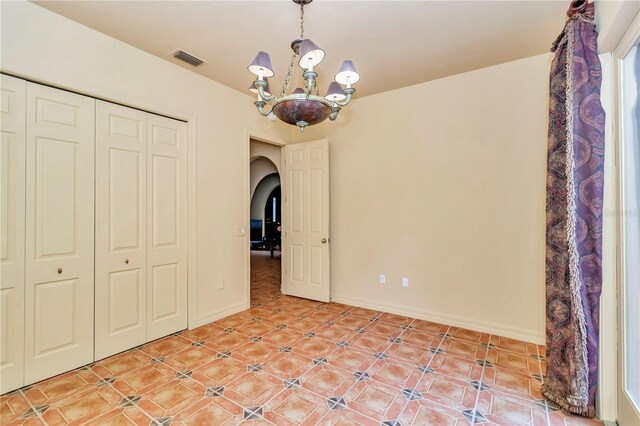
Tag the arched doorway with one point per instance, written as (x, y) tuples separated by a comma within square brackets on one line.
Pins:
[(266, 215), (265, 220)]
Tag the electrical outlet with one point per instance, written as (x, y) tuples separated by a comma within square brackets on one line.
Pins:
[(220, 284), (383, 279), (405, 282)]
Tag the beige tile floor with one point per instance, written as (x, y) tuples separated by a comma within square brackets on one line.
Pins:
[(290, 361)]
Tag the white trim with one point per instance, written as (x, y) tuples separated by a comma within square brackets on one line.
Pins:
[(192, 217), (607, 357), (220, 313), (625, 409), (628, 40), (456, 321)]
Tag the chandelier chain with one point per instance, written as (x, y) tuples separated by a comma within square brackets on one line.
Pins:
[(289, 73), (302, 20)]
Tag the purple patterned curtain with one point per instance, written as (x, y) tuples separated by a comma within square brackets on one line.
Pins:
[(575, 181)]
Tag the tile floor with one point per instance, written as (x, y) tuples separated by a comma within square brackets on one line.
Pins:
[(290, 361)]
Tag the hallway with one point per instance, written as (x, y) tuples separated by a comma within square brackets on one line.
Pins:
[(288, 361)]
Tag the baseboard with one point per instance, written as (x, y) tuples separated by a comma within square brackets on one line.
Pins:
[(468, 323), (220, 313)]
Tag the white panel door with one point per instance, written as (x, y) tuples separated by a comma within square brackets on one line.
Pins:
[(307, 220), (166, 226), (12, 193), (121, 247), (59, 232)]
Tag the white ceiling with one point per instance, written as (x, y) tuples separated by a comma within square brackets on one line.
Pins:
[(393, 43)]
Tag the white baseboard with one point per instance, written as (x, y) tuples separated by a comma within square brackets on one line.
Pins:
[(220, 313), (468, 323)]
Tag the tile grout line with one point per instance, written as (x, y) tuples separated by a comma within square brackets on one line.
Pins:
[(302, 374), (406, 404), (484, 366), (385, 351), (546, 405), (206, 387), (370, 321), (33, 407), (142, 410), (336, 349), (333, 351)]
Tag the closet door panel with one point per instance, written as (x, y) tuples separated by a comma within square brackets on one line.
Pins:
[(59, 232), (12, 231), (120, 228), (167, 226)]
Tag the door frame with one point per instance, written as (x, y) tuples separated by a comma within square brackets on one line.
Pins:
[(629, 39), (258, 137)]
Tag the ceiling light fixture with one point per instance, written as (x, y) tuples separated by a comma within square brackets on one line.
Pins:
[(304, 107)]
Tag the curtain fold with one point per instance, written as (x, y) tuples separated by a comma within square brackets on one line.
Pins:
[(575, 182)]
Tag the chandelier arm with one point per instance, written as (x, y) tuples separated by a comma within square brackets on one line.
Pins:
[(334, 114), (349, 94), (260, 85), (260, 105)]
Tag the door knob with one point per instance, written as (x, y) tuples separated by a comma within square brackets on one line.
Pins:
[(126, 261), (59, 270), (324, 241)]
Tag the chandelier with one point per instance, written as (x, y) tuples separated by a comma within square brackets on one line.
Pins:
[(304, 106)]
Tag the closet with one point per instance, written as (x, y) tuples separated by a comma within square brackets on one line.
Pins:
[(141, 274), (94, 234)]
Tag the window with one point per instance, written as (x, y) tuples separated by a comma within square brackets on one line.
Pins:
[(630, 129)]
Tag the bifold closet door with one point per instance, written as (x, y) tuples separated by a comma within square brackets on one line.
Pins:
[(166, 226), (59, 232), (121, 219), (12, 193)]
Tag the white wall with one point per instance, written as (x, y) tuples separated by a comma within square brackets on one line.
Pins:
[(43, 46), (444, 183)]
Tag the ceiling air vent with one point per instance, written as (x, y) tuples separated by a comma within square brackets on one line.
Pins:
[(188, 58)]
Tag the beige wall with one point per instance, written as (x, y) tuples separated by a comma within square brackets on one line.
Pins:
[(43, 46), (267, 150), (260, 167), (444, 183)]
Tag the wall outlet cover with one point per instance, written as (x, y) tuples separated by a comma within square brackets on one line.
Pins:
[(405, 282), (383, 279)]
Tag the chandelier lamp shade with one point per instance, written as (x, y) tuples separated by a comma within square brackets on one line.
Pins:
[(304, 106)]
